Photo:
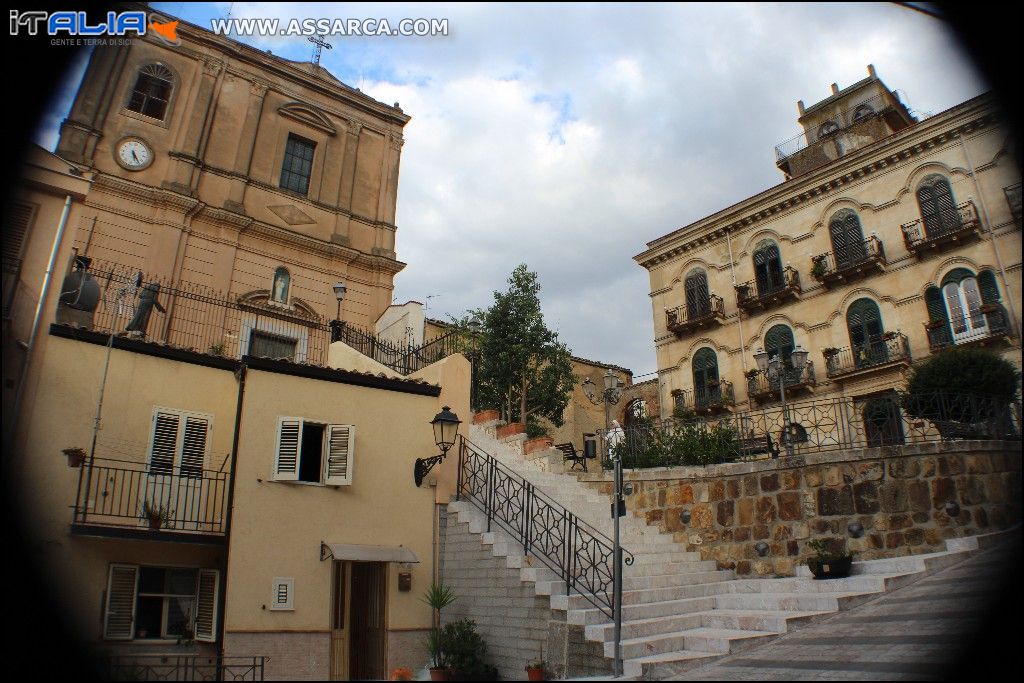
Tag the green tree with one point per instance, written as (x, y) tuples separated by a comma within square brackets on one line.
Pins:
[(967, 370), (523, 369)]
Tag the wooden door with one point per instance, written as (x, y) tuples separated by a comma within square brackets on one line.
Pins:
[(339, 622), (367, 620)]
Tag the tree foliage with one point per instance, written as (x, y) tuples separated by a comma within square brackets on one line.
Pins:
[(959, 370), (523, 369)]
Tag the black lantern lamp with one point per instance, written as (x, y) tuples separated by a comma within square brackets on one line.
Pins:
[(446, 430), (339, 294)]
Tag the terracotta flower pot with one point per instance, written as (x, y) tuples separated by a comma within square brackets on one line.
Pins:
[(486, 416), (439, 673), (535, 673)]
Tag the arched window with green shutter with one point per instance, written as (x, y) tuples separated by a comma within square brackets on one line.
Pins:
[(847, 238), (768, 268), (696, 288), (864, 323), (778, 341), (705, 377), (938, 208), (989, 288)]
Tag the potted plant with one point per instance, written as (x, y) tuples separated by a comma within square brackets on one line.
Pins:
[(464, 651), (536, 668), (819, 269), (156, 514), (889, 335), (76, 456), (829, 351), (828, 563), (438, 596), (402, 673)]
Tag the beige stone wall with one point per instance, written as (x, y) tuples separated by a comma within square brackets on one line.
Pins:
[(897, 494), (209, 209), (581, 416), (879, 184)]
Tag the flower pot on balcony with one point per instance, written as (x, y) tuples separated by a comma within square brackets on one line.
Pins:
[(440, 673), (988, 308), (76, 456)]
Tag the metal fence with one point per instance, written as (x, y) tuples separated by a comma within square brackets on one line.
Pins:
[(942, 224), (989, 322), (182, 668), (836, 424), (115, 493), (879, 350), (846, 257), (581, 555)]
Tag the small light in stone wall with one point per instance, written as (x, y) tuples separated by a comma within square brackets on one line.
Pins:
[(761, 548), (684, 516), (856, 529), (627, 489), (952, 508)]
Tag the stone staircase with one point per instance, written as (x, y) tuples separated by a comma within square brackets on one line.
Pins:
[(679, 612)]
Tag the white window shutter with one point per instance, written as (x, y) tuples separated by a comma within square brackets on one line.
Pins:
[(289, 444), (341, 441), (193, 447), (119, 617), (165, 442), (206, 605)]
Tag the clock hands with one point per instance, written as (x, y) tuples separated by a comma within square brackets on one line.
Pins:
[(134, 156)]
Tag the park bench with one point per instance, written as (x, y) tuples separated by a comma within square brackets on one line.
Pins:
[(755, 445), (569, 453)]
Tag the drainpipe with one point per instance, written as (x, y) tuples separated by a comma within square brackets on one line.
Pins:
[(992, 237), (240, 373), (37, 319)]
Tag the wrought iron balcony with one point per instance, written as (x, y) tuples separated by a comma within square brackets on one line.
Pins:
[(849, 261), (753, 295), (182, 667), (764, 385), (887, 350), (684, 319), (990, 324), (952, 225), (714, 398), (185, 504)]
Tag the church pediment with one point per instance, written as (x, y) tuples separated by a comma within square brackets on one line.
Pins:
[(260, 300), (309, 115)]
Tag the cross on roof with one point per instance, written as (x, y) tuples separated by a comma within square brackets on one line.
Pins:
[(320, 43)]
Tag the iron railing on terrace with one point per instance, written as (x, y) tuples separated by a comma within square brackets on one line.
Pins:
[(847, 260), (682, 319), (200, 319), (757, 294), (824, 425), (889, 347), (714, 397), (764, 383), (112, 494), (990, 323), (182, 668), (957, 223), (581, 555)]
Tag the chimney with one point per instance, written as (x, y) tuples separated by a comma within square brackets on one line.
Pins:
[(835, 88), (800, 106), (871, 71)]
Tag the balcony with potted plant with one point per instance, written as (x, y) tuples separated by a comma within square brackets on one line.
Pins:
[(706, 312), (849, 262), (887, 351), (760, 294)]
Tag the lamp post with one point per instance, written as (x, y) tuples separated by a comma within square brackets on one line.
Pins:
[(775, 366), (339, 294), (446, 430), (611, 395)]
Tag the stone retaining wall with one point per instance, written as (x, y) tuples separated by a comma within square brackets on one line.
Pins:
[(898, 494)]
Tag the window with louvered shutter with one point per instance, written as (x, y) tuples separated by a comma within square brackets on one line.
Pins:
[(289, 438), (119, 615), (165, 442), (340, 446), (193, 447), (988, 286), (206, 605)]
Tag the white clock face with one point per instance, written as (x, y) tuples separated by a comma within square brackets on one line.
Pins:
[(134, 154)]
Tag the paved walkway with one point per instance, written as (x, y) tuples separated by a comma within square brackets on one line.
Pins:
[(941, 627)]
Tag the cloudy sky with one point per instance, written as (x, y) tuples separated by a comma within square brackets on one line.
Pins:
[(567, 136)]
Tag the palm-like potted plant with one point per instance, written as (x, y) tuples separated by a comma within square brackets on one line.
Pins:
[(157, 514), (438, 596)]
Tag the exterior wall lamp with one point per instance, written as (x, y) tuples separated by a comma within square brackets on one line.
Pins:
[(446, 430)]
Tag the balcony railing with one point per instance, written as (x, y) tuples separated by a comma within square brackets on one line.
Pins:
[(883, 351), (848, 261), (951, 225), (753, 294), (684, 319), (990, 324), (706, 400), (762, 385), (112, 495), (182, 668)]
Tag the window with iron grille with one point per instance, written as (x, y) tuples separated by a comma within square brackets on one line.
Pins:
[(267, 345), (152, 91), (297, 166)]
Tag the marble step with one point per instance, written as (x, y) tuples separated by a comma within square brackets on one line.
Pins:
[(701, 639), (649, 610)]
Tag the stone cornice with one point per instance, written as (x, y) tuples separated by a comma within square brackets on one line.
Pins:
[(937, 130)]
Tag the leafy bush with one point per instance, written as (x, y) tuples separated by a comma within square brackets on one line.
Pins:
[(464, 652), (685, 443), (535, 429), (966, 371)]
